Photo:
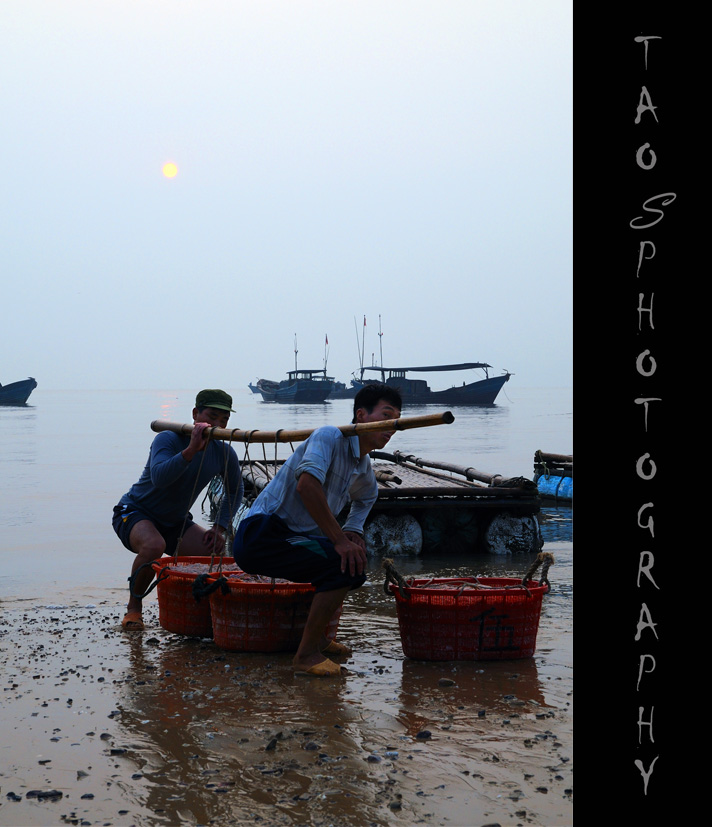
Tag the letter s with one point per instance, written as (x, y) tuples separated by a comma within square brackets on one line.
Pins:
[(669, 196)]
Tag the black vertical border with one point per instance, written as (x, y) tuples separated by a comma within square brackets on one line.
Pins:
[(629, 313)]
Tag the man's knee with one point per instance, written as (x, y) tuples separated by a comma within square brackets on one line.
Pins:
[(147, 543)]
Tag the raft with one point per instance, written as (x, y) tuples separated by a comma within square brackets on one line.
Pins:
[(431, 507), (554, 476)]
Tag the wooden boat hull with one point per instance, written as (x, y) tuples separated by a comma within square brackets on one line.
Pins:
[(300, 392), (17, 393), (417, 392), (344, 392)]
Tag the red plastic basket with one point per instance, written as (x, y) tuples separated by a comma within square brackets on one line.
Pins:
[(178, 610), (450, 619), (263, 617)]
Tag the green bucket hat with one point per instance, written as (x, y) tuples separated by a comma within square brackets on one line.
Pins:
[(213, 398)]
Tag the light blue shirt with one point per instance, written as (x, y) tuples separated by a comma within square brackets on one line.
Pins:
[(334, 459)]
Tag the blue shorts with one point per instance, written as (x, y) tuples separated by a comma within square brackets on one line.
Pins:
[(126, 516), (264, 544)]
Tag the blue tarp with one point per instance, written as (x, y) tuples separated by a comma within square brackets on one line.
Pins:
[(560, 488)]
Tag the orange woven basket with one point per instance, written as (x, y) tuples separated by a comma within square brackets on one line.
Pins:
[(263, 617), (469, 618), (178, 610)]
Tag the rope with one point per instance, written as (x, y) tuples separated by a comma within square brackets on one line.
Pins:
[(192, 497), (539, 460), (202, 586), (513, 482), (545, 559)]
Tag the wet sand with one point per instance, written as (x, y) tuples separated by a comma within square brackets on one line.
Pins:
[(101, 727)]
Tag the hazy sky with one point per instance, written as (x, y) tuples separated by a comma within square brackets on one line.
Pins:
[(408, 159)]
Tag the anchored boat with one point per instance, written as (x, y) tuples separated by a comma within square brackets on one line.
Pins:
[(17, 393), (300, 386), (418, 392)]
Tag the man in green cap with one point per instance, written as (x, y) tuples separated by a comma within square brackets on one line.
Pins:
[(153, 518)]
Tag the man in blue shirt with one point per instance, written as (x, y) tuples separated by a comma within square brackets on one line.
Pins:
[(153, 518), (292, 531)]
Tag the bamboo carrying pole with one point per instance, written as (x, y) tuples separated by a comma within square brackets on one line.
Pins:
[(237, 435)]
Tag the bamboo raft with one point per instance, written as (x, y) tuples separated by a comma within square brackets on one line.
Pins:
[(436, 506)]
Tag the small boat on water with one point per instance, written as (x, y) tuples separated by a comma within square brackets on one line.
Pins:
[(17, 393), (418, 392), (300, 386)]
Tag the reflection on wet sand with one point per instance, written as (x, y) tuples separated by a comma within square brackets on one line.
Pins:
[(234, 737), (155, 728)]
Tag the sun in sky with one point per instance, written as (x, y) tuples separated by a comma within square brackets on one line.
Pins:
[(170, 170)]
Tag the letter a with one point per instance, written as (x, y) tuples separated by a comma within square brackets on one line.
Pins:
[(643, 106), (643, 622)]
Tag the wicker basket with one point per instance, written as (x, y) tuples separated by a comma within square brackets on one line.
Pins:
[(178, 610), (263, 617), (469, 618)]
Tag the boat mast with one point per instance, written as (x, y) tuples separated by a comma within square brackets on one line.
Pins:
[(380, 341), (295, 351)]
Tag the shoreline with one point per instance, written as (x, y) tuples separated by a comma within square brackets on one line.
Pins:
[(102, 727)]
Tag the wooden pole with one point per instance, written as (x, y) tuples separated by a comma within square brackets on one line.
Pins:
[(237, 435), (466, 471)]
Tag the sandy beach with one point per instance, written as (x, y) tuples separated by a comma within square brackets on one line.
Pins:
[(101, 727)]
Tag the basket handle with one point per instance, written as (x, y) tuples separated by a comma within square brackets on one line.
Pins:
[(204, 585), (161, 576), (392, 576), (545, 559)]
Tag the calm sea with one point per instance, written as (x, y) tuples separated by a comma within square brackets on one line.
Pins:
[(67, 458)]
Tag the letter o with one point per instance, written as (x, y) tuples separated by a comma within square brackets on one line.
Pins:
[(639, 467), (639, 364), (639, 157)]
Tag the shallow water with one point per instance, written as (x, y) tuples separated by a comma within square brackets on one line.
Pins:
[(159, 729), (66, 460)]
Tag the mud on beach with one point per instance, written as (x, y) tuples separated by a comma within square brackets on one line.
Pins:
[(101, 727)]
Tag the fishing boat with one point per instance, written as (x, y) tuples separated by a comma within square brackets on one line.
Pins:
[(253, 388), (418, 392), (17, 393), (343, 391), (300, 386)]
